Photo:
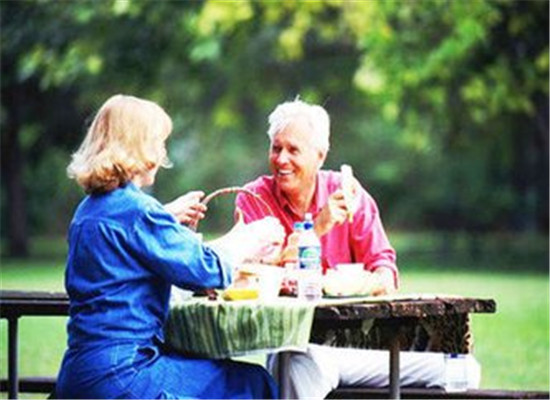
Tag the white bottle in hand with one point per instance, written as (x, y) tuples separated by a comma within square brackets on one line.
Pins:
[(310, 282)]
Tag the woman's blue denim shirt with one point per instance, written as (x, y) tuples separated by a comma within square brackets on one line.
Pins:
[(125, 251)]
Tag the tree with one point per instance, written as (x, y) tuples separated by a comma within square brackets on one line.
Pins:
[(52, 79), (444, 101)]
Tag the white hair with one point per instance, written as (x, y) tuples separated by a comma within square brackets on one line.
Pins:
[(316, 116)]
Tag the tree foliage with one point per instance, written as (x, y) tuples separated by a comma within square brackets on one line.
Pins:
[(440, 106)]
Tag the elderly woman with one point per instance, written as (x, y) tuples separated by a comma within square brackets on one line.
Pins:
[(126, 250), (299, 135)]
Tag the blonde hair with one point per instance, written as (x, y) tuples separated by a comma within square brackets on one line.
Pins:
[(126, 139), (316, 116)]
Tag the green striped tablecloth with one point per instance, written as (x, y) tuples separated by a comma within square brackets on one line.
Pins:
[(222, 329)]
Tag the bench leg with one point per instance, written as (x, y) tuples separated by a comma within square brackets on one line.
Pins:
[(284, 380), (395, 390), (13, 385)]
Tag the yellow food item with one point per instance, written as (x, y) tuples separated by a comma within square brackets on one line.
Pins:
[(347, 188), (245, 293)]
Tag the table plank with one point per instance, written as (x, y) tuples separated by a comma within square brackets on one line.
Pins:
[(6, 295), (14, 304), (399, 307)]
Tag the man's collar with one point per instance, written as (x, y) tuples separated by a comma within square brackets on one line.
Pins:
[(315, 206)]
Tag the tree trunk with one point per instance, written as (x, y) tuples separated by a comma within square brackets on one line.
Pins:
[(13, 162), (542, 160)]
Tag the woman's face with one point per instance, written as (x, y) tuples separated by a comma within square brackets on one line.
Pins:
[(294, 159), (147, 178)]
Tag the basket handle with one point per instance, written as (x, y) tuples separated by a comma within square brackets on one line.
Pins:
[(231, 190)]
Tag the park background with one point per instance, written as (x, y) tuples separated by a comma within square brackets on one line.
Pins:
[(441, 107)]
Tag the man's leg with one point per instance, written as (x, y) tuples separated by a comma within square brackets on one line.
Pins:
[(311, 374), (321, 369), (371, 368)]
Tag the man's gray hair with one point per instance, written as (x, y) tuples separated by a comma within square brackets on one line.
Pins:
[(316, 116)]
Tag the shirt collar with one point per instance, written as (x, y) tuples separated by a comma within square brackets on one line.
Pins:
[(319, 197)]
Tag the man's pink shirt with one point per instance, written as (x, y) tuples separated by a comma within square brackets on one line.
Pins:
[(363, 240)]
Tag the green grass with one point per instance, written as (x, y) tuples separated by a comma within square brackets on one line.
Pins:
[(512, 344)]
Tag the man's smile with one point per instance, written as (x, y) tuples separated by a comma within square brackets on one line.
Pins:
[(284, 172)]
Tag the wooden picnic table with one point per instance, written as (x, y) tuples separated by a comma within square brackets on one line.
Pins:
[(396, 313), (393, 318), (383, 322)]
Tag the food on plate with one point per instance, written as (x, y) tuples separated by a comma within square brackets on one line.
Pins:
[(255, 281), (289, 255), (240, 293), (348, 189), (289, 286), (244, 286), (340, 283)]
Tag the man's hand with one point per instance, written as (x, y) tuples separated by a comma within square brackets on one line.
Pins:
[(187, 209), (333, 213), (385, 282), (337, 210)]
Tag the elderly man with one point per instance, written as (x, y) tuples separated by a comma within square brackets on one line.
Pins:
[(299, 135)]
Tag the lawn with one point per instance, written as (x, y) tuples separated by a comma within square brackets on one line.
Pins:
[(512, 345)]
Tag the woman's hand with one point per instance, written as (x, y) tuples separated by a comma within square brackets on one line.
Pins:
[(187, 209), (262, 240), (258, 241)]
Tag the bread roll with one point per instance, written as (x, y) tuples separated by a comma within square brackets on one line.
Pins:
[(347, 188)]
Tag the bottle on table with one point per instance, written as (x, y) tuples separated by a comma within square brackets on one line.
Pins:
[(310, 277), (290, 282), (456, 373)]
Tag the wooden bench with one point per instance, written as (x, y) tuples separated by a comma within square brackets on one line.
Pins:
[(14, 305), (434, 393), (33, 384)]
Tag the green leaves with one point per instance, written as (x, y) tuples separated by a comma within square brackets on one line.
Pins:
[(59, 69), (413, 88)]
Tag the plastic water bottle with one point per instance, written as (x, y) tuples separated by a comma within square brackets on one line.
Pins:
[(310, 279), (456, 378)]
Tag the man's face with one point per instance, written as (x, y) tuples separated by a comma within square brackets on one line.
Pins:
[(293, 158)]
